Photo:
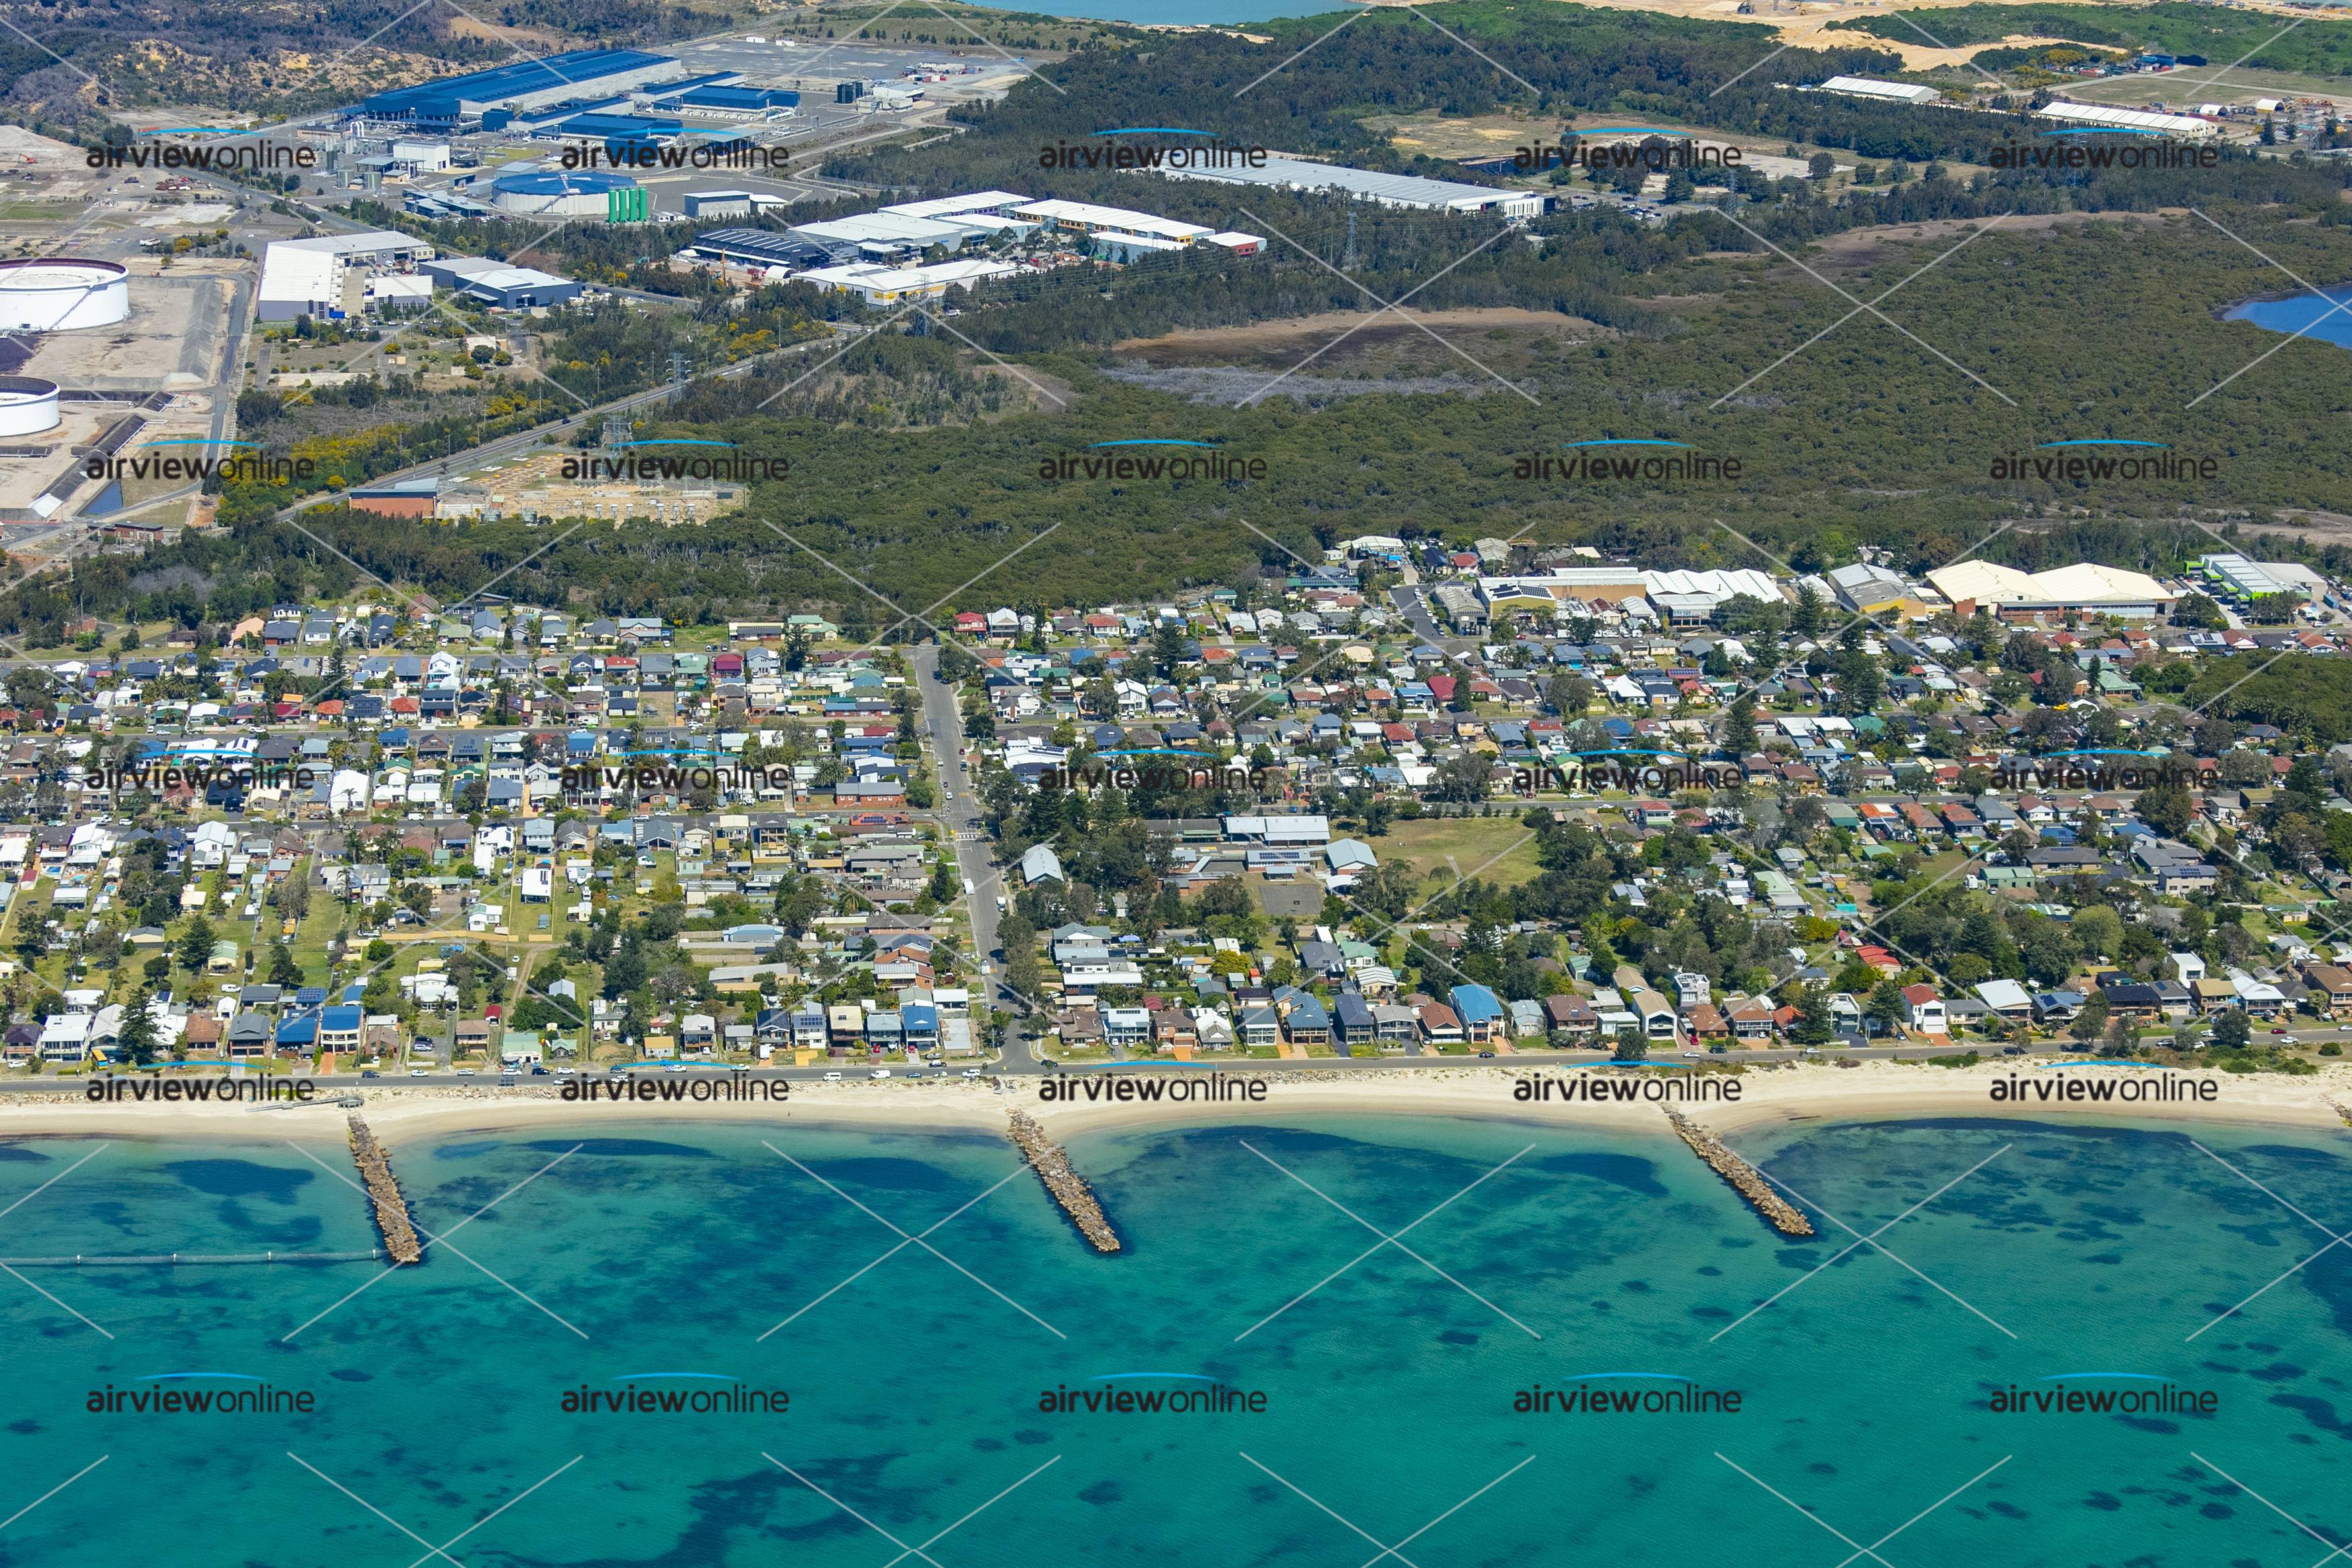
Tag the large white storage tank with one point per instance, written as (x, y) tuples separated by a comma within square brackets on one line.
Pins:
[(29, 405), (560, 193), (62, 294)]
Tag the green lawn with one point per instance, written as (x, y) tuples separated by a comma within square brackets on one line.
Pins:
[(1493, 849)]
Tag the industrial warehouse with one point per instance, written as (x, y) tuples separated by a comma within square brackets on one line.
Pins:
[(445, 105), (325, 277), (1407, 191), (879, 255)]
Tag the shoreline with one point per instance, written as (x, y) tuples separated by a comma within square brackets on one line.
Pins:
[(1768, 1098)]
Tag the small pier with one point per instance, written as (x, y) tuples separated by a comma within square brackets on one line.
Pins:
[(1069, 1188), (391, 1208), (1783, 1214)]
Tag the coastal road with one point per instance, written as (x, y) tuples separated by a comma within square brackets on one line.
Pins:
[(959, 815), (855, 1069)]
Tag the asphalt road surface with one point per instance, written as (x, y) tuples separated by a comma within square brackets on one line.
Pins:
[(391, 1078), (959, 815)]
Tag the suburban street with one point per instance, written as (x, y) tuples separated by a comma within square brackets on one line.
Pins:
[(959, 816), (1411, 603)]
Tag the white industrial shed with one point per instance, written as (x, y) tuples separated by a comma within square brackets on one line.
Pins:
[(1366, 185), (2127, 119), (1871, 87)]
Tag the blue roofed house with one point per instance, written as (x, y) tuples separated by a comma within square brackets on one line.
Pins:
[(1355, 1025), (1481, 1012), (340, 1026), (1303, 1018)]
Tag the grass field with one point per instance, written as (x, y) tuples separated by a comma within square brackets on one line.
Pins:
[(1495, 849)]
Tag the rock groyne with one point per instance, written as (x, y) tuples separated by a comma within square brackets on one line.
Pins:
[(1069, 1188), (391, 1208), (1783, 1214)]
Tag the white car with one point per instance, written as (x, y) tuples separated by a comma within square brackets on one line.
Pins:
[(833, 1078), (972, 1073), (881, 1072)]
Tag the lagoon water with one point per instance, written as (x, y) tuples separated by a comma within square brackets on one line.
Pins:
[(2298, 312), (915, 1390)]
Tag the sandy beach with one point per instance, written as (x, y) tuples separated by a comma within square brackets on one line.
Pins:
[(1875, 1090)]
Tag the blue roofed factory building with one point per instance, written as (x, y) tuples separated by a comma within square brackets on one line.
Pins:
[(726, 102), (526, 84), (630, 128)]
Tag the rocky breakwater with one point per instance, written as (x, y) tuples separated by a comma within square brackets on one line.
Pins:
[(384, 1192), (1783, 1214), (1069, 1188)]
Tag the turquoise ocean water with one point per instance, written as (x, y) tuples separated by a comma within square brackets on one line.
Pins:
[(914, 1389)]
